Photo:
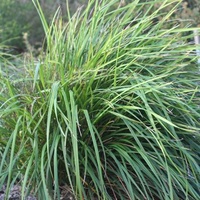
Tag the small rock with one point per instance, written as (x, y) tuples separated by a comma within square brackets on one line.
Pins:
[(14, 194)]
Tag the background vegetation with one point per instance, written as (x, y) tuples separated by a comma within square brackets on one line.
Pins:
[(19, 16)]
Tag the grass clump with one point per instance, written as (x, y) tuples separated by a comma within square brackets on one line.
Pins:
[(110, 110)]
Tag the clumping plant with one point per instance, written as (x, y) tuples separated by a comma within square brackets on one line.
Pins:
[(109, 110)]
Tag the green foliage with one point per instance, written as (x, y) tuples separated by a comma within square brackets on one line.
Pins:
[(19, 17), (14, 20), (187, 13), (110, 110)]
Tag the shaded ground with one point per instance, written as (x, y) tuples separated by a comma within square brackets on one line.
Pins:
[(14, 193)]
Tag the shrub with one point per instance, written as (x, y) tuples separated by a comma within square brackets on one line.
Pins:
[(110, 110)]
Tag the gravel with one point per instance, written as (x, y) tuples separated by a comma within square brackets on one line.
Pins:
[(14, 194)]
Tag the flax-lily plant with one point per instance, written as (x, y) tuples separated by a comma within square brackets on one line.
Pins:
[(109, 110)]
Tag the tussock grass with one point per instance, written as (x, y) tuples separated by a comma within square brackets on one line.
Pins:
[(110, 109)]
